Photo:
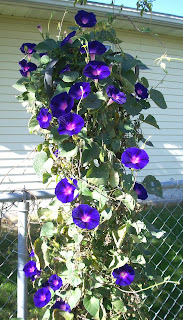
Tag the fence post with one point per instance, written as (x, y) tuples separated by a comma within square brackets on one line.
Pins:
[(22, 259)]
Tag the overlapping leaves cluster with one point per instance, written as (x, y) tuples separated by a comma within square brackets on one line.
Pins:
[(87, 101)]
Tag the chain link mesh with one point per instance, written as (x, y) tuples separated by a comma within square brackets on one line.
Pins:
[(166, 257), (8, 260)]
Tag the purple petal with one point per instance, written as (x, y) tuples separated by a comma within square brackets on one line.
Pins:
[(86, 217), (96, 70), (85, 19), (44, 117), (61, 104), (140, 191), (70, 124), (135, 158), (65, 191), (42, 297), (80, 89), (141, 91)]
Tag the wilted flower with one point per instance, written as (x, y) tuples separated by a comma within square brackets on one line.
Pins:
[(61, 104), (115, 95), (30, 269), (124, 275), (55, 282), (46, 285), (135, 158), (96, 70), (80, 90), (86, 217), (94, 47), (141, 91), (66, 68), (70, 124), (44, 117), (65, 191), (26, 67), (42, 297), (140, 191), (60, 304), (37, 275), (28, 48), (85, 19), (67, 39), (40, 28)]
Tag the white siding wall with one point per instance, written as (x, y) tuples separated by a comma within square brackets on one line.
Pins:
[(17, 145)]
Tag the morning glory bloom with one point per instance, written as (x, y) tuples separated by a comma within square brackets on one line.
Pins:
[(141, 91), (44, 117), (68, 38), (30, 269), (96, 70), (66, 68), (32, 253), (85, 19), (70, 124), (65, 191), (61, 104), (37, 275), (86, 217), (27, 48), (42, 297), (80, 90), (140, 191), (55, 282), (60, 304), (115, 95), (135, 158), (124, 275), (26, 67), (94, 47)]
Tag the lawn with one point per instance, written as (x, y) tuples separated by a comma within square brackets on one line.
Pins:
[(167, 256)]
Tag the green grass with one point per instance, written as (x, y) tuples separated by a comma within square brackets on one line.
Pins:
[(169, 257)]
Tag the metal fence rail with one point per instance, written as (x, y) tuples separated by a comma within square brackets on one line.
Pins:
[(166, 255)]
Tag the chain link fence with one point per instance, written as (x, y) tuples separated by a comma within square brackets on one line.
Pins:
[(166, 254)]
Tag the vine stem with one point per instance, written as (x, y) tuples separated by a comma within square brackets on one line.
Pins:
[(60, 28)]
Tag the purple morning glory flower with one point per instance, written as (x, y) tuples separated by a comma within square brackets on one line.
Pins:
[(135, 158), (32, 253), (86, 217), (26, 67), (124, 275), (70, 124), (140, 191), (37, 275), (85, 19), (42, 297), (60, 304), (44, 118), (61, 104), (46, 285), (80, 90), (141, 91), (28, 48), (66, 68), (65, 191), (96, 70), (115, 95), (30, 269), (94, 47), (55, 282), (67, 39)]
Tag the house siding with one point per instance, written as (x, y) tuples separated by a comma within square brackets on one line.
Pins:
[(17, 145)]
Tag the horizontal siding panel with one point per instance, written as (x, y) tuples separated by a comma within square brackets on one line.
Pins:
[(16, 147), (20, 138), (18, 114), (11, 122), (16, 171), (8, 187)]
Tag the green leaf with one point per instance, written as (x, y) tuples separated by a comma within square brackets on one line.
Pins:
[(39, 161), (92, 152), (145, 82), (46, 315), (61, 87), (158, 98), (75, 297), (100, 196), (98, 175), (47, 214), (33, 124), (91, 304), (45, 59), (129, 201), (139, 259), (151, 120), (62, 315), (46, 177), (69, 76), (113, 178), (153, 186), (58, 137), (128, 80), (45, 252), (132, 106), (67, 149), (94, 100), (20, 84), (47, 230), (128, 181), (106, 214), (155, 232), (46, 45), (118, 305), (128, 62), (39, 254)]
